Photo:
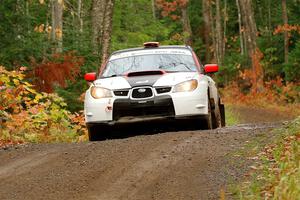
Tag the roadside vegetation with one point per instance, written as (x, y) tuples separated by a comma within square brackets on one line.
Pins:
[(275, 95), (275, 173), (232, 118), (30, 116)]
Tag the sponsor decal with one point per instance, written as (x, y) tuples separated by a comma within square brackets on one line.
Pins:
[(141, 90), (149, 52)]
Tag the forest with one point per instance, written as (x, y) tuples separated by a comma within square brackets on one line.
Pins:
[(255, 43), (51, 44), (46, 47)]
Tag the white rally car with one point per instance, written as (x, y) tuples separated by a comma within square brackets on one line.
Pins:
[(150, 83)]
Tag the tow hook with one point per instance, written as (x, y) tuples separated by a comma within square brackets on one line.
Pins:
[(109, 106)]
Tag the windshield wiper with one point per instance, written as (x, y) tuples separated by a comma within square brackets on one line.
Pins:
[(114, 75)]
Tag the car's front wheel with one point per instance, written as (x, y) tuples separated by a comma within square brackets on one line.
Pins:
[(97, 132)]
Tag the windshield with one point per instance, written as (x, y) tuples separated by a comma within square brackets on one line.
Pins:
[(166, 62)]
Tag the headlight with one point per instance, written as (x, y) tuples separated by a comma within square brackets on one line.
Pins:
[(98, 92), (186, 86)]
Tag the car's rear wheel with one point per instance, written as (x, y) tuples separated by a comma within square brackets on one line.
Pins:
[(222, 111), (97, 132), (208, 118), (216, 117)]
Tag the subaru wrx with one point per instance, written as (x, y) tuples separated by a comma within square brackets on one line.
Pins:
[(150, 83)]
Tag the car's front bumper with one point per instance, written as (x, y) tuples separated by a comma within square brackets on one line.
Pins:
[(124, 109)]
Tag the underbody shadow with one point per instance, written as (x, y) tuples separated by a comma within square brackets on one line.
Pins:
[(119, 131)]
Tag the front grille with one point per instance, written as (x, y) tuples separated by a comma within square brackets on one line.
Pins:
[(126, 108), (122, 93), (155, 111), (163, 90), (142, 92)]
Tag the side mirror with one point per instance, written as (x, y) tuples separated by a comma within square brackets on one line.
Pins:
[(211, 68), (90, 77)]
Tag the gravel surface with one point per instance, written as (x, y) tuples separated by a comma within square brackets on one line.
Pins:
[(141, 163)]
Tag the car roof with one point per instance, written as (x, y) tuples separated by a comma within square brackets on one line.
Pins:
[(147, 48)]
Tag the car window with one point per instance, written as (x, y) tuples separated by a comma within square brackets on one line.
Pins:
[(167, 62)]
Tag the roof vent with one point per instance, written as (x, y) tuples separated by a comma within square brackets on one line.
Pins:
[(151, 44)]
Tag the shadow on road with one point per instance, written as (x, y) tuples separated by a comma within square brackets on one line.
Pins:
[(120, 131)]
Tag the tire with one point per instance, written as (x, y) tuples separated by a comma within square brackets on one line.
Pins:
[(223, 117), (208, 118), (97, 132), (216, 117)]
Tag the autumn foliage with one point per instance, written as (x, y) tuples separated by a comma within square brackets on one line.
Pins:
[(169, 8), (28, 115), (278, 94), (286, 28), (57, 71)]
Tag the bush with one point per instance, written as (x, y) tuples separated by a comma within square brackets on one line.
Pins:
[(291, 69), (29, 116)]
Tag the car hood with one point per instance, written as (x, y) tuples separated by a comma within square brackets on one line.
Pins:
[(168, 79)]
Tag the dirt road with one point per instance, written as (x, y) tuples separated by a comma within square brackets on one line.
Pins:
[(184, 164)]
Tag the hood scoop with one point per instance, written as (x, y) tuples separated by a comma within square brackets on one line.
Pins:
[(146, 73)]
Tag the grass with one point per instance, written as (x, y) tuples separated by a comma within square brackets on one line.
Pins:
[(276, 174), (232, 118)]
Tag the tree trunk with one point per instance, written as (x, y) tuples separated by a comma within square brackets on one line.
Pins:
[(79, 23), (98, 14), (249, 26), (225, 15), (286, 34), (269, 20), (79, 15), (107, 30), (57, 24), (102, 14), (187, 30), (253, 52), (153, 9), (240, 27), (207, 29), (219, 36), (27, 16), (213, 34)]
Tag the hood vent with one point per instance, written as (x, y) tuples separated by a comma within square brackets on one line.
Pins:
[(146, 73)]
